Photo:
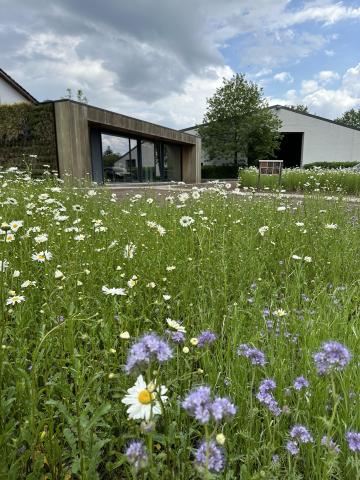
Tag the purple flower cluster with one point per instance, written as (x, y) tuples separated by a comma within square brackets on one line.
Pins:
[(136, 454), (266, 397), (210, 456), (299, 435), (200, 405), (300, 383), (330, 444), (206, 338), (256, 357), (353, 439), (148, 348), (333, 356), (292, 447), (176, 337)]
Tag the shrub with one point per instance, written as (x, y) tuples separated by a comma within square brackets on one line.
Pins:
[(330, 165), (219, 171)]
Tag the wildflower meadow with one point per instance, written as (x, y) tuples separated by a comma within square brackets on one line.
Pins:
[(337, 180), (177, 335)]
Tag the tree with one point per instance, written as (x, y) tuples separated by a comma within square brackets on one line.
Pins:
[(350, 117), (80, 97), (238, 124), (299, 108)]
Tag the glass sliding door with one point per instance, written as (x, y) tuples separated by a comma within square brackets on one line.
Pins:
[(172, 162), (126, 159), (120, 159), (150, 161)]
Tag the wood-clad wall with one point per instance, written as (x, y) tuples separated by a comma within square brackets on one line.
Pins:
[(74, 119)]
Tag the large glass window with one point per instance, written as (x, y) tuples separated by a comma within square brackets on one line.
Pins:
[(127, 159), (172, 162), (119, 159)]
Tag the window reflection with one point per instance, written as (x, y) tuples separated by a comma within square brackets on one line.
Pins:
[(129, 160)]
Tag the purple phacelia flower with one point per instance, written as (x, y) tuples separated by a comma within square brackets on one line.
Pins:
[(292, 447), (136, 454), (300, 383), (176, 337), (265, 396), (210, 456), (206, 338), (148, 348), (200, 405), (330, 444), (301, 434), (267, 385), (332, 357), (222, 408), (353, 439), (256, 357)]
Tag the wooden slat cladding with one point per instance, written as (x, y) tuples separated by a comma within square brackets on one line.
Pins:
[(74, 119)]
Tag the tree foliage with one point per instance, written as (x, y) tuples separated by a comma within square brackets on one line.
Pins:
[(238, 125), (80, 96), (299, 108), (350, 117)]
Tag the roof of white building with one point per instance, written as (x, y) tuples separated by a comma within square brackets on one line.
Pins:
[(17, 87), (279, 107)]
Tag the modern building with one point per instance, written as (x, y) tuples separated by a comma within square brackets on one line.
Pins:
[(306, 139), (79, 134)]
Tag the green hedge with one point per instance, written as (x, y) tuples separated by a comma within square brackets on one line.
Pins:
[(219, 171), (330, 165), (28, 130)]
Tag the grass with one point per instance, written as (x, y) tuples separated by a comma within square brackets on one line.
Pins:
[(63, 348), (340, 181)]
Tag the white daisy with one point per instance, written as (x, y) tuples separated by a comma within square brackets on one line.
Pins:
[(331, 226), (41, 256), (263, 230), (4, 264), (113, 291), (175, 325), (58, 274), (142, 400), (129, 250), (15, 299), (15, 225), (186, 221), (41, 238)]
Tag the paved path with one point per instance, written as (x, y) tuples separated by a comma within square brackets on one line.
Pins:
[(128, 190)]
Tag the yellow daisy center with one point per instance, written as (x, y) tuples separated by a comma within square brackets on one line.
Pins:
[(144, 397)]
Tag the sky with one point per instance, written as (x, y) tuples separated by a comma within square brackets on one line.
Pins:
[(159, 60)]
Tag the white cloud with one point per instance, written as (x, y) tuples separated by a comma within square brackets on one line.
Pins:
[(327, 76), (351, 80), (308, 86), (284, 77), (330, 103), (323, 101), (328, 13)]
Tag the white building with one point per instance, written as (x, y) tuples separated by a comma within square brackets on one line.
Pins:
[(308, 139), (11, 92)]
